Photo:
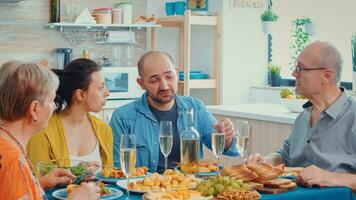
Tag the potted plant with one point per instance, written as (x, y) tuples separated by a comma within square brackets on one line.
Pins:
[(268, 18), (307, 23), (300, 38), (275, 73)]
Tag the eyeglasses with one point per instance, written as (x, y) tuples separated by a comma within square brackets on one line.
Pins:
[(298, 69)]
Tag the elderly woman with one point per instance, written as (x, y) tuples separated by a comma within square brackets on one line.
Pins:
[(27, 92), (72, 132)]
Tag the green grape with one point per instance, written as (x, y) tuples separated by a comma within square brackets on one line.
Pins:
[(207, 184), (234, 185), (211, 191), (229, 189), (219, 188)]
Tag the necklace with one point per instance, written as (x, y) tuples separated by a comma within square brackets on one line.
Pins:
[(19, 144)]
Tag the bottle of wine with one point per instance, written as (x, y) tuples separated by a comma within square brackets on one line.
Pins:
[(55, 11), (190, 145)]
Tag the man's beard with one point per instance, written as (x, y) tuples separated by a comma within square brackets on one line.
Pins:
[(161, 100)]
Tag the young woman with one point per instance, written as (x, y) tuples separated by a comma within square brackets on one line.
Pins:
[(72, 132), (27, 92)]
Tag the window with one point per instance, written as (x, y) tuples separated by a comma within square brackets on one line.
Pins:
[(334, 22)]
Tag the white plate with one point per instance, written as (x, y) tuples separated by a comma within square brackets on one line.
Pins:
[(115, 193)]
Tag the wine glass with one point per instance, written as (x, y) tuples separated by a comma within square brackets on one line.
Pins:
[(218, 142), (127, 157), (165, 140), (243, 130)]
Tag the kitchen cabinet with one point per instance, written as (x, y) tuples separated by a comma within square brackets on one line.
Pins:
[(184, 24)]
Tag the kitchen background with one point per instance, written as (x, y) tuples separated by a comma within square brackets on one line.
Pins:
[(24, 37)]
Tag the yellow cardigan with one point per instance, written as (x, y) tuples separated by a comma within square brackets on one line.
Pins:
[(51, 144)]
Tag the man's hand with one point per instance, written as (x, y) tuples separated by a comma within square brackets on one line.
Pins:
[(254, 158), (225, 125), (56, 177), (315, 176)]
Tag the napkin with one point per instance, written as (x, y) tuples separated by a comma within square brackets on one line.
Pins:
[(85, 18)]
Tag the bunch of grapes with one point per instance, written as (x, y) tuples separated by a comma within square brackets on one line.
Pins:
[(218, 184)]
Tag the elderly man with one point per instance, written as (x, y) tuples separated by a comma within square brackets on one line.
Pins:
[(159, 78), (324, 135)]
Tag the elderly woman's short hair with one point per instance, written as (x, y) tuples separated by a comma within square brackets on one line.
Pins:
[(21, 84)]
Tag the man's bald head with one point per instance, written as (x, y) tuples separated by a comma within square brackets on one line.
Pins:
[(151, 54), (325, 55)]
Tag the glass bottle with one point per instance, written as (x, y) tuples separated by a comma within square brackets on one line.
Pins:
[(55, 11), (190, 145)]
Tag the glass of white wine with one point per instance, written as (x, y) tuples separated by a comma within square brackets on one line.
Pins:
[(243, 130), (218, 142), (127, 157), (165, 140)]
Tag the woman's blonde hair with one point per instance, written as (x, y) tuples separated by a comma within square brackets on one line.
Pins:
[(20, 84)]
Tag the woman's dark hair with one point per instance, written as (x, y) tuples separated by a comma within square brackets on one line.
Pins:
[(75, 75)]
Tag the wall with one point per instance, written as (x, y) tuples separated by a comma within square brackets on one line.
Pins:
[(23, 36), (244, 55)]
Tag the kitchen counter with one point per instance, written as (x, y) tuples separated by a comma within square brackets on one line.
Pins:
[(257, 111)]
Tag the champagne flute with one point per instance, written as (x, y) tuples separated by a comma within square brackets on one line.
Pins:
[(165, 140), (243, 130), (218, 142), (127, 157)]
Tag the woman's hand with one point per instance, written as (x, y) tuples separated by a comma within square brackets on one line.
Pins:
[(87, 191), (56, 177)]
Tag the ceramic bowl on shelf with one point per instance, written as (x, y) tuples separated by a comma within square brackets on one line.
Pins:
[(294, 105)]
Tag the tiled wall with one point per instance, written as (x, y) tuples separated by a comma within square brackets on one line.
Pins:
[(24, 37)]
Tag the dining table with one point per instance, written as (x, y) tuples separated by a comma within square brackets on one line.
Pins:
[(300, 193)]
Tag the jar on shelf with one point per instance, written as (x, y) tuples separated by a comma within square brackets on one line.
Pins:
[(103, 15), (117, 15), (127, 12)]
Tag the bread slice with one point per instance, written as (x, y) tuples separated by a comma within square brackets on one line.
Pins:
[(288, 186), (265, 171), (254, 185), (276, 182), (239, 172)]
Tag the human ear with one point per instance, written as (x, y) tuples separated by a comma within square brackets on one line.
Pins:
[(34, 110), (140, 83), (80, 94)]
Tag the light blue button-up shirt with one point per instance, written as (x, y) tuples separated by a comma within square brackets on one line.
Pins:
[(136, 118), (330, 144)]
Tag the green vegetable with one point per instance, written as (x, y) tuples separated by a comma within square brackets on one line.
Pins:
[(46, 168), (104, 191), (78, 170)]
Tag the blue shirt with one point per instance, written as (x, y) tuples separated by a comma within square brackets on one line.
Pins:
[(137, 118), (174, 156), (330, 144)]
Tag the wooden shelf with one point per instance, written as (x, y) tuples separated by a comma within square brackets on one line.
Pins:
[(184, 25), (201, 83)]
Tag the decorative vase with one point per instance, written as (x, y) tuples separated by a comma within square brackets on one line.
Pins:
[(275, 80), (267, 26)]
